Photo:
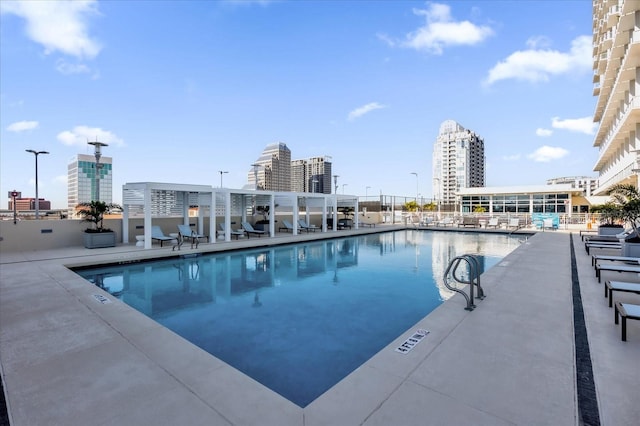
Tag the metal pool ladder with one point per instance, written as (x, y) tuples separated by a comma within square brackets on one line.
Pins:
[(454, 274)]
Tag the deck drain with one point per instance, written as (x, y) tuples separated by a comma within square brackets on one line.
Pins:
[(412, 341)]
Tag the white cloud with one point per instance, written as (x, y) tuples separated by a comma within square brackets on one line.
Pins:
[(58, 25), (538, 42), (546, 153), (80, 135), (539, 65), (66, 68), (21, 126), (440, 31), (360, 111), (580, 125), (544, 132)]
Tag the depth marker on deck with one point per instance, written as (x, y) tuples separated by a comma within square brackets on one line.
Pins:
[(100, 298), (412, 341)]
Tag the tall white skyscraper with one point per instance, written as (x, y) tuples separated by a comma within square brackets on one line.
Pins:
[(81, 175), (458, 162), (616, 78), (272, 170)]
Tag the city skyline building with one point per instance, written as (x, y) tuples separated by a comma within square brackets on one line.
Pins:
[(616, 83), (272, 170), (458, 162), (311, 175), (81, 175), (587, 184)]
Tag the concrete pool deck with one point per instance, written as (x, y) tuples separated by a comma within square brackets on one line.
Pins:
[(69, 359)]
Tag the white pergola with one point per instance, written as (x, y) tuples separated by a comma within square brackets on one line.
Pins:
[(152, 199)]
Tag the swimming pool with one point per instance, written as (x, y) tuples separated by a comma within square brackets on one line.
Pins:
[(299, 318)]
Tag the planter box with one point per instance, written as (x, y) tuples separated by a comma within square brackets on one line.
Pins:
[(610, 230), (631, 249), (99, 239)]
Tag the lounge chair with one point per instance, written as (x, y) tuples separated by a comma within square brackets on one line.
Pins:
[(304, 225), (622, 286), (287, 226), (626, 310), (157, 234), (233, 232), (615, 268), (445, 222), (493, 223), (588, 245), (469, 221), (514, 223), (188, 232), (625, 259), (248, 229)]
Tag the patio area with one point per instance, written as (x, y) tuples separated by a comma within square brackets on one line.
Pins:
[(69, 357)]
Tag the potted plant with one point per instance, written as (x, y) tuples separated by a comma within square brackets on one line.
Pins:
[(628, 198), (263, 224), (97, 236), (610, 214)]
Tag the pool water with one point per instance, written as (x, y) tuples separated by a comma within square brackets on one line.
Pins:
[(299, 318)]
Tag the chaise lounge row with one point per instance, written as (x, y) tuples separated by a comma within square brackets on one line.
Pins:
[(622, 311)]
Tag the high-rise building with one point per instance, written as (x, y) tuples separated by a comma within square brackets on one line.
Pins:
[(616, 78), (311, 175), (81, 177), (458, 162), (586, 183), (272, 170)]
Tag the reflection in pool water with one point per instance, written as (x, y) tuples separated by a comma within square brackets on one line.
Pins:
[(299, 318)]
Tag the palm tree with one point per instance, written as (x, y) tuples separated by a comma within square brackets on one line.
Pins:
[(627, 197)]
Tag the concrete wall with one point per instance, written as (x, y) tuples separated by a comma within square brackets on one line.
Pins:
[(30, 235)]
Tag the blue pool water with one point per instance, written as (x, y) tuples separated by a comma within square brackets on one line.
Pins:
[(299, 318)]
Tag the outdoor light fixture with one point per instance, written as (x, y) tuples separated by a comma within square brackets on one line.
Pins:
[(36, 153), (335, 182), (97, 152), (221, 173)]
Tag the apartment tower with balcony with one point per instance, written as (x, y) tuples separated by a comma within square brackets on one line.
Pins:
[(616, 78), (458, 162)]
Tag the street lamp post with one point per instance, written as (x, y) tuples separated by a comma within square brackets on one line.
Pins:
[(366, 192), (36, 153), (97, 152), (417, 193), (315, 182), (343, 185), (221, 173), (335, 182)]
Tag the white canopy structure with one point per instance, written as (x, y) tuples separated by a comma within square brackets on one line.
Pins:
[(154, 200)]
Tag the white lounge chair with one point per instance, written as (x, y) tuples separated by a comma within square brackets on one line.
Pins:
[(493, 223)]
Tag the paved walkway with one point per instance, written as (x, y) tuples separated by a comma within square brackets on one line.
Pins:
[(68, 359)]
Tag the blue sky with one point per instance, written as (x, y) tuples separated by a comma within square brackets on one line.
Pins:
[(181, 90)]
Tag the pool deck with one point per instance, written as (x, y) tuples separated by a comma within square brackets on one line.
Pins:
[(66, 358)]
